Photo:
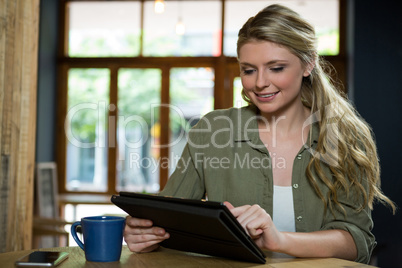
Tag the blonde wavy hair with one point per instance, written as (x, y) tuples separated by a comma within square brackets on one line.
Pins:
[(346, 142)]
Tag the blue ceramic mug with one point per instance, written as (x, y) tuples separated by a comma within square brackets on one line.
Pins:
[(103, 237)]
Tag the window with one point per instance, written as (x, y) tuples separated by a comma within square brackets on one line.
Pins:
[(88, 98), (133, 82), (103, 29), (324, 15), (139, 94), (200, 36)]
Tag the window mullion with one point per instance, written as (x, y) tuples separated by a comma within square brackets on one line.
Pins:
[(165, 125), (142, 29), (222, 27), (112, 131)]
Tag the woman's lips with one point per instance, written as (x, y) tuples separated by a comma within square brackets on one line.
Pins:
[(266, 96)]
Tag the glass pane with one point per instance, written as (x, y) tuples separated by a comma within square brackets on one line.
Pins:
[(100, 29), (237, 98), (191, 97), (201, 21), (323, 14), (138, 130), (86, 129)]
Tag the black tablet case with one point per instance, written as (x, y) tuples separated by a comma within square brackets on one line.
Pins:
[(204, 227)]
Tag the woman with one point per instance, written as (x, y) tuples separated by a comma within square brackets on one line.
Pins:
[(298, 167)]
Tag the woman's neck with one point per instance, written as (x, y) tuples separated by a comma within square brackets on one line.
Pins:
[(287, 122)]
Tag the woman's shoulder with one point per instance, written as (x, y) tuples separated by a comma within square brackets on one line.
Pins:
[(226, 112), (227, 117), (224, 123)]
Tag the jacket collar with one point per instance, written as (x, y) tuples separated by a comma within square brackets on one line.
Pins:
[(246, 126)]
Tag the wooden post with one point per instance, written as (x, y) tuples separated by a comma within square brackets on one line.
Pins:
[(19, 24)]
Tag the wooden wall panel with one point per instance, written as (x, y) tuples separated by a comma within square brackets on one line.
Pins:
[(19, 24)]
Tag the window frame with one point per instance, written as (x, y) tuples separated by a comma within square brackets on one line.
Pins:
[(226, 69)]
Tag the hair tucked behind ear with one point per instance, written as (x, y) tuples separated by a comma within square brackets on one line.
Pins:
[(346, 144)]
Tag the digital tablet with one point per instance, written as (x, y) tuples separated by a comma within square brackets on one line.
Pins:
[(204, 227)]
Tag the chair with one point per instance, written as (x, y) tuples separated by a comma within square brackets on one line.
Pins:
[(47, 228)]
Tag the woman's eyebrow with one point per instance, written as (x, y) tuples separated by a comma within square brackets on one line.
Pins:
[(272, 62), (246, 64), (275, 62)]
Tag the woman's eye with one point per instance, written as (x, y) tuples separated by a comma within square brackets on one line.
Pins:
[(248, 71), (277, 69)]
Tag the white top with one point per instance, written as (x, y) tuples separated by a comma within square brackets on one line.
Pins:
[(283, 212)]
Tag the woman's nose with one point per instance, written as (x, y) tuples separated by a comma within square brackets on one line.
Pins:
[(262, 80)]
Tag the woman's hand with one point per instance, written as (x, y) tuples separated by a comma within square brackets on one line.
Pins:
[(259, 225), (327, 243), (141, 236)]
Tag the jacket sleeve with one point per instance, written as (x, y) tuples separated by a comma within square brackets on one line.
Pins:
[(186, 181), (358, 223)]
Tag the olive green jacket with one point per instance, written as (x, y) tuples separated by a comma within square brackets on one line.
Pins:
[(225, 160)]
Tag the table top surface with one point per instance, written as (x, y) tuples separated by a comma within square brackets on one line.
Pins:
[(172, 258)]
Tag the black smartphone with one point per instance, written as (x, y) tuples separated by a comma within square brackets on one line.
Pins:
[(42, 259)]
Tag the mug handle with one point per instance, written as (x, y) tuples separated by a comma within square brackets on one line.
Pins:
[(74, 234)]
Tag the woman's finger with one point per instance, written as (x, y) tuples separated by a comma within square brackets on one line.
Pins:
[(146, 237), (228, 205), (137, 222), (140, 231), (145, 246), (247, 213), (237, 211), (144, 242)]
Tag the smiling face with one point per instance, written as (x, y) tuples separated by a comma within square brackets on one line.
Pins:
[(271, 76)]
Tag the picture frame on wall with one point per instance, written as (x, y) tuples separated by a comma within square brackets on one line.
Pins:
[(46, 190), (49, 230)]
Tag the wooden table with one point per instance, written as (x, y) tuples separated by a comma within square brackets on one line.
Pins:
[(172, 258)]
